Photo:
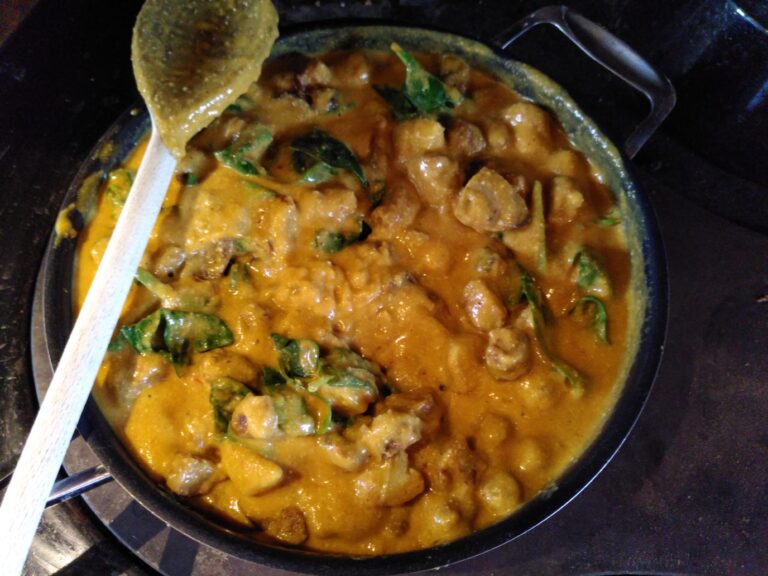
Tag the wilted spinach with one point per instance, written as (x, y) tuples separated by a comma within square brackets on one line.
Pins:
[(317, 146), (599, 315), (332, 242), (532, 295), (225, 395), (298, 358), (174, 334)]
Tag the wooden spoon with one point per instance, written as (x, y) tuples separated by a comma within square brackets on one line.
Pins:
[(191, 59)]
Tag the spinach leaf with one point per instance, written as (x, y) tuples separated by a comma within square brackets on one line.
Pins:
[(610, 218), (293, 416), (589, 273), (426, 92), (225, 395), (143, 336), (175, 334), (298, 358), (402, 107), (599, 315), (539, 225), (242, 104), (119, 184), (317, 173), (317, 146), (246, 151), (200, 332), (532, 294), (332, 242), (271, 378)]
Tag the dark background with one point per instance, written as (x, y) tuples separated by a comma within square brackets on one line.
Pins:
[(687, 493)]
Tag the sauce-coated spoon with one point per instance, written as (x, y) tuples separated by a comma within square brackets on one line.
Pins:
[(191, 59)]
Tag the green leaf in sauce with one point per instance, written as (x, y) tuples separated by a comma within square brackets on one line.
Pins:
[(200, 332), (610, 218), (119, 184), (242, 104), (331, 242), (402, 108), (532, 295), (589, 273), (539, 225), (293, 415), (317, 173), (143, 336), (425, 91), (599, 314), (318, 146), (225, 395), (298, 358), (176, 334), (245, 153)]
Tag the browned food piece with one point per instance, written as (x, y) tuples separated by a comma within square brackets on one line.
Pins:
[(491, 203)]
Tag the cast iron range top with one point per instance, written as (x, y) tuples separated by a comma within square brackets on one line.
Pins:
[(687, 492)]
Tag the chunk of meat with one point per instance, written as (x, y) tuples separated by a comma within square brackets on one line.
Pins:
[(421, 402), (484, 307), (436, 178), (348, 456), (316, 73), (207, 217), (390, 433), (532, 127), (454, 71), (168, 262), (500, 493), (289, 526), (465, 140), (508, 354), (491, 203), (414, 138), (210, 261), (566, 200), (354, 71), (190, 476), (400, 207), (255, 417)]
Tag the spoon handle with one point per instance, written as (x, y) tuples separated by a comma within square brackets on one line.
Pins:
[(60, 411)]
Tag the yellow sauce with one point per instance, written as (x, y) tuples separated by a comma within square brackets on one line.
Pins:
[(420, 297)]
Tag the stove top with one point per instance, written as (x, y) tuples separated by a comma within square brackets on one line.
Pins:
[(687, 492)]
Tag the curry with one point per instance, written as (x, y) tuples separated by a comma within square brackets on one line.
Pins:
[(385, 304)]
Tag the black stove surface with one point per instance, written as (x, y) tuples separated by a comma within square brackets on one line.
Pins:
[(687, 492)]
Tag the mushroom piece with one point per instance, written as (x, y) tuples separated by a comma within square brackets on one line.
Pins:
[(508, 354), (485, 308), (491, 203)]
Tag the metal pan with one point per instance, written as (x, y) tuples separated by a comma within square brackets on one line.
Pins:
[(53, 306)]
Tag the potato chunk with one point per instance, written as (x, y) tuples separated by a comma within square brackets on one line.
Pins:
[(490, 203), (249, 471), (508, 355), (416, 137)]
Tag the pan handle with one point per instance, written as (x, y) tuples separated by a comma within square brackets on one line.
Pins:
[(613, 54)]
